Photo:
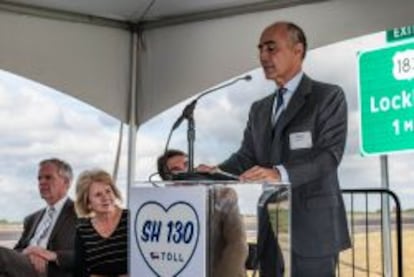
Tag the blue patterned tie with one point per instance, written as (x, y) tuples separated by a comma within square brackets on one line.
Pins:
[(44, 228), (279, 104)]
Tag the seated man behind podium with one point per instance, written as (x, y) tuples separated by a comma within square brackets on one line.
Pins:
[(46, 245), (230, 246)]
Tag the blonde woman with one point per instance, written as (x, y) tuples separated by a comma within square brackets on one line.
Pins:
[(101, 233)]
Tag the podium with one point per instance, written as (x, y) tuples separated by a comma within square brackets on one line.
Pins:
[(202, 228)]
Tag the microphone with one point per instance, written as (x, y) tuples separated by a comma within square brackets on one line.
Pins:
[(189, 109), (248, 77)]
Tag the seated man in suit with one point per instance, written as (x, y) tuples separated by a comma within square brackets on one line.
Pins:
[(47, 242), (228, 234)]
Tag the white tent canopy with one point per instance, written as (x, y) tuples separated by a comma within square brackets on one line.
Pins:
[(85, 48)]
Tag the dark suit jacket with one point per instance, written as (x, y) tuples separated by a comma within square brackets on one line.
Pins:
[(61, 241), (318, 216)]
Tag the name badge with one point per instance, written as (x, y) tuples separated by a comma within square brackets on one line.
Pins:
[(300, 140)]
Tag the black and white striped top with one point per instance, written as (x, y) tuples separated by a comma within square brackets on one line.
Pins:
[(95, 254)]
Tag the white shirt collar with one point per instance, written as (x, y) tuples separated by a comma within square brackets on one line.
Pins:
[(59, 204), (290, 87), (293, 83)]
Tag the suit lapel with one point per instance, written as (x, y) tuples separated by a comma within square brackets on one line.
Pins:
[(60, 221), (36, 222), (297, 100), (295, 104), (268, 131)]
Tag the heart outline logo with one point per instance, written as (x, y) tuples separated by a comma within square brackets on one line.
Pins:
[(147, 210)]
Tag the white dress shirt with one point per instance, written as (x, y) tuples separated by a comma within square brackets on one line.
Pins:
[(290, 87), (45, 239)]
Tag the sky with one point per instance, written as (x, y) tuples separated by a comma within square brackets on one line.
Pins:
[(37, 122)]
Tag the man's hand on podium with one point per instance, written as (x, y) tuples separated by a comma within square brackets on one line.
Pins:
[(255, 173), (215, 170), (259, 173), (206, 168)]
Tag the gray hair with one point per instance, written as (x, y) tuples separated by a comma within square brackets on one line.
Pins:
[(64, 169)]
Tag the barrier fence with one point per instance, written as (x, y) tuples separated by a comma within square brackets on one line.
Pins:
[(368, 254)]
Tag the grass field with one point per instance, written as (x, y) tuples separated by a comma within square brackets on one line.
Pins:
[(359, 257), (367, 255), (370, 261)]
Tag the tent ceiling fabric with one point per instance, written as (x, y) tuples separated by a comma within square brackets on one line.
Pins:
[(132, 10), (93, 62)]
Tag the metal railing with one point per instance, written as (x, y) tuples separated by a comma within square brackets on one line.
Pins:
[(368, 256)]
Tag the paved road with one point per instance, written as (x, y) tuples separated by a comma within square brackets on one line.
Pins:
[(9, 235), (374, 224), (8, 238), (359, 225)]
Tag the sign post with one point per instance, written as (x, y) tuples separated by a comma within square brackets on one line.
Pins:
[(386, 97)]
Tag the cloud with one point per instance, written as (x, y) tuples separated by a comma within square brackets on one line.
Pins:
[(338, 63), (16, 190), (37, 123)]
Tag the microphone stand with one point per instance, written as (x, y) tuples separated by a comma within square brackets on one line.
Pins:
[(188, 113), (191, 140)]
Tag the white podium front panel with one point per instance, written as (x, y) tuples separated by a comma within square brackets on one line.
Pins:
[(168, 231), (198, 228)]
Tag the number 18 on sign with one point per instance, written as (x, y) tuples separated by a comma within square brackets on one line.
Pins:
[(386, 97)]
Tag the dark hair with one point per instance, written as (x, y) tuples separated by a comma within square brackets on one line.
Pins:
[(162, 168), (297, 35)]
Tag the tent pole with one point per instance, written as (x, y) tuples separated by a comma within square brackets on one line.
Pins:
[(132, 115)]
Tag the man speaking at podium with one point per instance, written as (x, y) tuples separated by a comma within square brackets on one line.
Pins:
[(297, 135)]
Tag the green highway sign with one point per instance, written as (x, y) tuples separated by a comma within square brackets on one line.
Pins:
[(386, 99), (400, 33)]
